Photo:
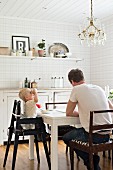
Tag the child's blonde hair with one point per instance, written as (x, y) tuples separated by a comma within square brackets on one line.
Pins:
[(23, 92)]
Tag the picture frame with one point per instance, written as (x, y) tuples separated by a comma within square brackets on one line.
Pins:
[(20, 43)]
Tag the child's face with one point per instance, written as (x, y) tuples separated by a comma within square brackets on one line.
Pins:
[(29, 95)]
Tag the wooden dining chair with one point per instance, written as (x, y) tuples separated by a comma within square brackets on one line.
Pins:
[(89, 146), (18, 130)]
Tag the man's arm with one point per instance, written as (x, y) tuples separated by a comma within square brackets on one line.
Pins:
[(70, 109)]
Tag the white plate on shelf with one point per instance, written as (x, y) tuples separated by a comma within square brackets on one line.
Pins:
[(58, 47)]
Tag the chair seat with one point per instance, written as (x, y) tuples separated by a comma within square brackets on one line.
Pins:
[(80, 142), (84, 146)]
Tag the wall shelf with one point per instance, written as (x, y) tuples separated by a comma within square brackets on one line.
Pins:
[(41, 58)]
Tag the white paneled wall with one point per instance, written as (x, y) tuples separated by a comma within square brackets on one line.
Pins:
[(102, 59), (14, 70)]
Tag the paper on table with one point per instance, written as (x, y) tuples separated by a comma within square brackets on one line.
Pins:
[(45, 111), (61, 110)]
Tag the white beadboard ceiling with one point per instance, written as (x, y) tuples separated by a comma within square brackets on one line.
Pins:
[(71, 11)]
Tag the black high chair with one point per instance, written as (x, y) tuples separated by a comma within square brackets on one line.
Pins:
[(38, 131)]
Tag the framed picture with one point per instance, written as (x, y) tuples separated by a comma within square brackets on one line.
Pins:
[(20, 43)]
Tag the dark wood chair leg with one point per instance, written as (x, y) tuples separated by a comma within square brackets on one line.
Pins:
[(7, 147), (49, 143), (37, 148), (78, 158), (109, 154), (6, 154), (66, 149), (91, 161), (47, 155), (72, 158), (104, 154), (46, 150), (112, 159), (15, 151), (67, 152)]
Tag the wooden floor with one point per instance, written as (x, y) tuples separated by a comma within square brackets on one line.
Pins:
[(23, 162)]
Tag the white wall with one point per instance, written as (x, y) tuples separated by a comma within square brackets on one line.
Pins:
[(99, 58), (102, 59), (14, 70)]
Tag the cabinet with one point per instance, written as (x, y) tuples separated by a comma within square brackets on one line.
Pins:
[(44, 97), (61, 96)]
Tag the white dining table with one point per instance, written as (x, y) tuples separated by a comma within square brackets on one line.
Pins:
[(54, 118)]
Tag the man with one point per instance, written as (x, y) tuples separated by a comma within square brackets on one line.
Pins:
[(86, 97)]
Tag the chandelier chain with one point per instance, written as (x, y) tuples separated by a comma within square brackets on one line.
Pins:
[(91, 9)]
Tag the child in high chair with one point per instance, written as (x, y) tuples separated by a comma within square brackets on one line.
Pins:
[(30, 97)]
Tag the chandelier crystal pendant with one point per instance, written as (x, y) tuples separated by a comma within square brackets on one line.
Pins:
[(92, 31)]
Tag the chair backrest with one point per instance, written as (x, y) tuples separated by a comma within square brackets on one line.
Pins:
[(39, 126), (13, 119), (55, 104), (98, 127), (14, 111), (18, 107)]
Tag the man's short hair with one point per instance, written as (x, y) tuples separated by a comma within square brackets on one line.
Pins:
[(76, 75)]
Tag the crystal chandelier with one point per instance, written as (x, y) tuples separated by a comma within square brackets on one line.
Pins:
[(90, 33)]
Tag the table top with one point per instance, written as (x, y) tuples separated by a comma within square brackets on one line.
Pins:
[(60, 116)]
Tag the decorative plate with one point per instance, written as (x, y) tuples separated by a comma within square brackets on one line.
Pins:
[(58, 49)]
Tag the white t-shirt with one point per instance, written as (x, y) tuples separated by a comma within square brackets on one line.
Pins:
[(89, 98)]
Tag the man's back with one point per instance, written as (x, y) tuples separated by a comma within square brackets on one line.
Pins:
[(90, 97)]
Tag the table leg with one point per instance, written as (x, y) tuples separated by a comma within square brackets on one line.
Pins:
[(54, 146), (31, 147)]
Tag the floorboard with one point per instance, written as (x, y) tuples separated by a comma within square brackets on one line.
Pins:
[(23, 162)]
